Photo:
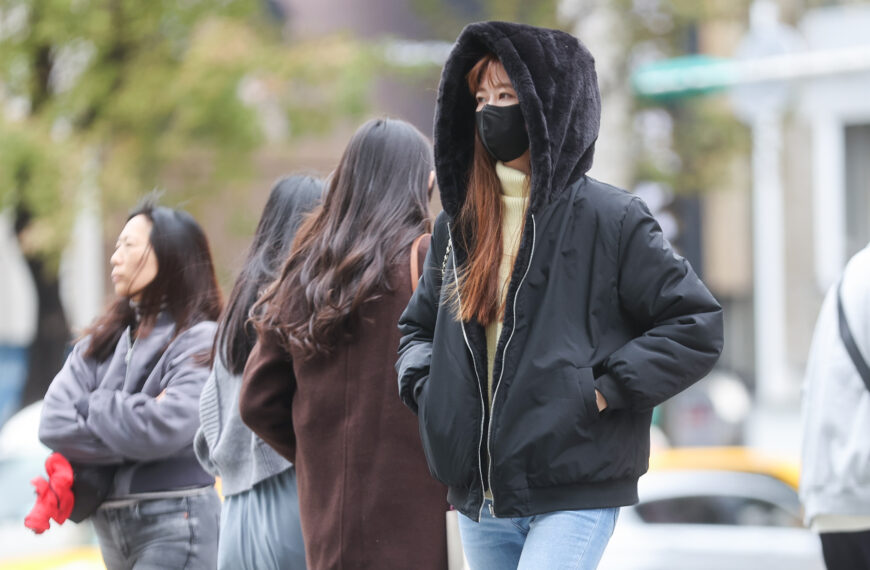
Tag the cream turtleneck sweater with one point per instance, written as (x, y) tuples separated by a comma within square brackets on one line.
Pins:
[(514, 202)]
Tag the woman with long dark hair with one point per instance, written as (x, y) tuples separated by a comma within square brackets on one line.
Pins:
[(319, 385), (552, 315), (260, 526), (128, 393)]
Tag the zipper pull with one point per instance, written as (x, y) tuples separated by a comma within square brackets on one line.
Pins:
[(491, 510)]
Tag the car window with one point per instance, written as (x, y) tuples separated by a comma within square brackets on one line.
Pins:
[(716, 509)]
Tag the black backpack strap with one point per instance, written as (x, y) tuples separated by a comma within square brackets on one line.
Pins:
[(849, 340)]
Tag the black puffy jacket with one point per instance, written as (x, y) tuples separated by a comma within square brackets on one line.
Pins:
[(597, 300)]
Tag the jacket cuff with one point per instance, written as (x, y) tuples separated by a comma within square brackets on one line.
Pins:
[(83, 405), (409, 398), (418, 387), (409, 392), (612, 392)]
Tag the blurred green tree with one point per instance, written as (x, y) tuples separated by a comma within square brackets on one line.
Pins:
[(131, 87), (706, 136)]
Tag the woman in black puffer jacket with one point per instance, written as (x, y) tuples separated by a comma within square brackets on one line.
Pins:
[(552, 315)]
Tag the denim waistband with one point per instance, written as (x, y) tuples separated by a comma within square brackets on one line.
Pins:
[(130, 500)]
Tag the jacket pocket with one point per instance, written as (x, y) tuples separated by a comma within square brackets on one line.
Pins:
[(445, 440), (548, 432), (162, 507), (425, 427), (586, 382)]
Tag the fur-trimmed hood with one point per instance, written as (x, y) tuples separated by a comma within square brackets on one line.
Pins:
[(554, 77)]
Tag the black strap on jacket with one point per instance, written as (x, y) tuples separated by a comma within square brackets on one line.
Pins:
[(849, 340)]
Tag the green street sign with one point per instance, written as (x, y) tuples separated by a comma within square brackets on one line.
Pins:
[(683, 76)]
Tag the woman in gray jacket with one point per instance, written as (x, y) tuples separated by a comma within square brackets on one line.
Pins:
[(128, 393), (260, 526)]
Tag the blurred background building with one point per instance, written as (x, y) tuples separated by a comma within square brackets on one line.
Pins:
[(758, 175)]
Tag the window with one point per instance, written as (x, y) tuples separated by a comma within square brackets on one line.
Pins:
[(716, 509)]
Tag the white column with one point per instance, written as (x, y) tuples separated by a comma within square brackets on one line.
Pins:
[(600, 27), (773, 386), (17, 292), (82, 272), (829, 200)]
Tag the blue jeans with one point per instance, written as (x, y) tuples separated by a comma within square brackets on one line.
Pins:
[(157, 534), (559, 540)]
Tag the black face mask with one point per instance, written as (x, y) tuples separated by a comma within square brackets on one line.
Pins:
[(502, 131)]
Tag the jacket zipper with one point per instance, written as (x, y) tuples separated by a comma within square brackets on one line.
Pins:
[(501, 373), (476, 375)]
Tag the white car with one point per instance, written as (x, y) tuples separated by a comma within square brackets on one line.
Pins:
[(713, 519), (22, 457)]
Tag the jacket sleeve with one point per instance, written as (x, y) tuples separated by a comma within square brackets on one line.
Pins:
[(209, 421), (266, 396), (141, 426), (203, 454), (61, 427), (417, 323), (679, 321)]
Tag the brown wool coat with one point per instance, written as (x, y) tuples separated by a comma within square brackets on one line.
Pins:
[(366, 498)]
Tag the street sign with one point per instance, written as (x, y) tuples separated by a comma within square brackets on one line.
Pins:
[(683, 76), (703, 74)]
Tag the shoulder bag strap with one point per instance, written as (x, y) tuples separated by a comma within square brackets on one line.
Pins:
[(415, 262), (849, 340)]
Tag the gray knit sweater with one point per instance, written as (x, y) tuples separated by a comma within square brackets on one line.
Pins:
[(224, 445)]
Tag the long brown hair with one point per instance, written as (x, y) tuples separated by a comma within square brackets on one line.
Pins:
[(185, 285), (376, 204), (479, 225)]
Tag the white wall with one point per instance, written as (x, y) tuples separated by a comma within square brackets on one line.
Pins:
[(828, 105)]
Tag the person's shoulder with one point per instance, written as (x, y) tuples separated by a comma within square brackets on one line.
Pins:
[(856, 273), (201, 333), (200, 328), (82, 344), (441, 221), (79, 349), (602, 196), (860, 261), (221, 375), (440, 231)]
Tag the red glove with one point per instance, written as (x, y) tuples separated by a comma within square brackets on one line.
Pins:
[(45, 507), (54, 497), (60, 478)]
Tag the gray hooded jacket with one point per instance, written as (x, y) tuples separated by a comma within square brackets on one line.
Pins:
[(137, 409)]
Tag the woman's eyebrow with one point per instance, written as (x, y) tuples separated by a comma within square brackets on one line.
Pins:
[(494, 86)]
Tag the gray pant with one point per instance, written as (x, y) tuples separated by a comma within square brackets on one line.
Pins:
[(177, 533), (260, 528)]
